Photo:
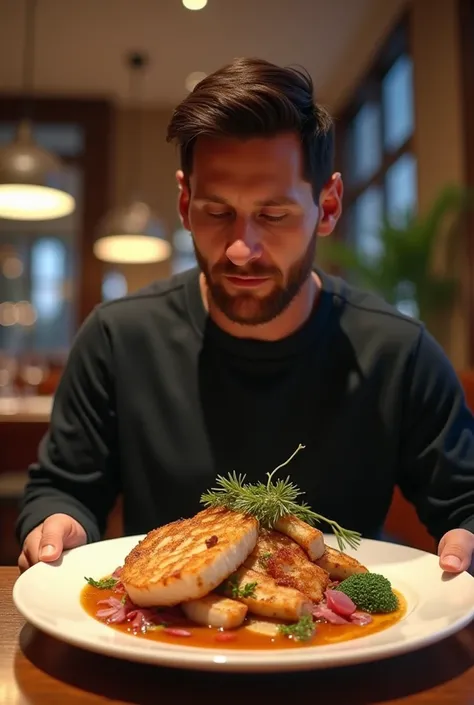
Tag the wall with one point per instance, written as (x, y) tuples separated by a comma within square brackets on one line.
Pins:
[(158, 164)]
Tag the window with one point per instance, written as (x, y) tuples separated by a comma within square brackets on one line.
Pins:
[(377, 160), (38, 260)]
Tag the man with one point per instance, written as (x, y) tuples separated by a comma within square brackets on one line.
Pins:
[(232, 366)]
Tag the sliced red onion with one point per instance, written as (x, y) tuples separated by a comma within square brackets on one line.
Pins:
[(340, 603), (361, 618), (322, 612)]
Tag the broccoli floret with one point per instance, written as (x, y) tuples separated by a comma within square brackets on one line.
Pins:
[(370, 592)]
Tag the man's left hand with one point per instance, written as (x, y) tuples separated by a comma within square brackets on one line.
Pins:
[(456, 551)]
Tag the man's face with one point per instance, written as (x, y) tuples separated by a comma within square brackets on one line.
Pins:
[(254, 222)]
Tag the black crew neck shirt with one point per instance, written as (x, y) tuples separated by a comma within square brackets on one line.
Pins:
[(156, 401)]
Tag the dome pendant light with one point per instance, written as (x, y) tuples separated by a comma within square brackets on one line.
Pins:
[(29, 173), (132, 234)]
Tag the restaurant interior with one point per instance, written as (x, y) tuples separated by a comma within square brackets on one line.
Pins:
[(87, 88)]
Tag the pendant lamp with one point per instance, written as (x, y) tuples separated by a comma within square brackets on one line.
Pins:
[(29, 174), (132, 233)]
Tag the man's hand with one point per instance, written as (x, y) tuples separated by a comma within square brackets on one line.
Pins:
[(46, 543), (456, 551)]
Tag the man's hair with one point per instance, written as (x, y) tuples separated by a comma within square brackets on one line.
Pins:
[(254, 98)]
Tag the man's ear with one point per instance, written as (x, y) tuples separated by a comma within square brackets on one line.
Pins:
[(183, 199), (330, 204)]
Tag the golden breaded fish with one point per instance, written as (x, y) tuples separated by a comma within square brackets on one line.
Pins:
[(215, 611), (339, 565), (265, 598), (283, 560), (187, 559), (310, 539)]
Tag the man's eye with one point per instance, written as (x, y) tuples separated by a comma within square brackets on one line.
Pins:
[(218, 214), (273, 218)]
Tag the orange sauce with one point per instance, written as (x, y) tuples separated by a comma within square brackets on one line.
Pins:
[(244, 638)]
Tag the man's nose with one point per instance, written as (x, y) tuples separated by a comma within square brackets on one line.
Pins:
[(245, 246)]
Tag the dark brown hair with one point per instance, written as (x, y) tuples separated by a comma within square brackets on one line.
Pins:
[(254, 98)]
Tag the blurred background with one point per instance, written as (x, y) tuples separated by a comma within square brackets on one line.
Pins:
[(87, 88)]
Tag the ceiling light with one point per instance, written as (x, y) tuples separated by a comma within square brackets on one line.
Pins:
[(28, 173), (194, 4), (132, 234)]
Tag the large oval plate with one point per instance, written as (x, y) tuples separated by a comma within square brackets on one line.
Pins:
[(48, 596)]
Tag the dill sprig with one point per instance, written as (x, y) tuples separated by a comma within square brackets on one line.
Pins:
[(271, 501)]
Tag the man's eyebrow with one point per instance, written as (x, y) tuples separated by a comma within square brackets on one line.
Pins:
[(270, 202)]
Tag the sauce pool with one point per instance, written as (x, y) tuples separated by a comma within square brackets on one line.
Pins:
[(244, 638)]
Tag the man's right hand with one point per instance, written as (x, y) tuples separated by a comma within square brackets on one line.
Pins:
[(46, 543)]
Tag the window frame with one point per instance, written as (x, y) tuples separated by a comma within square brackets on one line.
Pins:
[(370, 89)]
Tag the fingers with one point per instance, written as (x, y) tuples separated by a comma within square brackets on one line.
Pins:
[(456, 550), (47, 542)]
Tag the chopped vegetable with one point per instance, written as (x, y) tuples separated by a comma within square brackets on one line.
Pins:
[(340, 603), (370, 592), (248, 590), (303, 630), (103, 584)]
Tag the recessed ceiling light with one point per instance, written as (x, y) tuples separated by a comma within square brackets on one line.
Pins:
[(194, 4), (193, 79)]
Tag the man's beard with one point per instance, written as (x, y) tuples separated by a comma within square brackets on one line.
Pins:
[(248, 308)]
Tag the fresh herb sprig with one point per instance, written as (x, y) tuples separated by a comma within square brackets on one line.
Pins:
[(271, 501), (103, 584), (303, 630), (247, 590)]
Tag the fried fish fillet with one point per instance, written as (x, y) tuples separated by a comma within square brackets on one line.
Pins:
[(310, 539), (283, 560), (339, 565), (265, 598), (187, 559), (215, 611)]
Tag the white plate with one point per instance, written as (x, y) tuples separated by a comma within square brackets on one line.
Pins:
[(47, 595)]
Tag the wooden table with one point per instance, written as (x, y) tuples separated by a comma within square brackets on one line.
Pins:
[(38, 670)]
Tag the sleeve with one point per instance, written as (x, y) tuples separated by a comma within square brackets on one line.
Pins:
[(436, 470), (76, 472)]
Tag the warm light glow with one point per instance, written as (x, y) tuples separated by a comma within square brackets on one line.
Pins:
[(193, 79), (194, 4), (27, 202), (132, 249)]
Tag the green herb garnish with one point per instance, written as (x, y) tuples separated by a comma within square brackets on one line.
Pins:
[(271, 501), (103, 584), (303, 630), (248, 590), (264, 558)]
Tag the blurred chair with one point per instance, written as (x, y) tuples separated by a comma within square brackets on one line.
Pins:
[(402, 524)]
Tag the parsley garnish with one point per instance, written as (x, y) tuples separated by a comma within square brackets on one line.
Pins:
[(248, 590), (103, 584), (264, 558), (303, 630)]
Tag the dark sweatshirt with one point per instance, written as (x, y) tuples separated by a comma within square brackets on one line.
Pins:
[(156, 401)]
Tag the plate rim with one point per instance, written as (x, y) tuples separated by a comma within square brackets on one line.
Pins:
[(240, 660)]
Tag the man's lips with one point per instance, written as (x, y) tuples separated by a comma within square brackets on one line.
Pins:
[(244, 281)]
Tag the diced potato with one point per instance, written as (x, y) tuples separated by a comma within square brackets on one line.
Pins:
[(306, 536), (267, 599), (215, 611), (339, 565)]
